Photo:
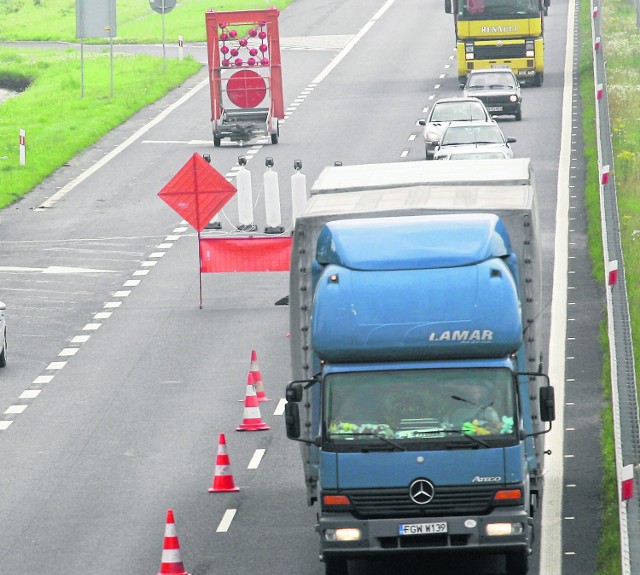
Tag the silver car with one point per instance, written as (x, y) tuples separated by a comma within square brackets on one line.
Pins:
[(484, 136), (3, 335), (445, 110)]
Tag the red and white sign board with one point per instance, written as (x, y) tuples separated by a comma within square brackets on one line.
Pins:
[(245, 254), (197, 192)]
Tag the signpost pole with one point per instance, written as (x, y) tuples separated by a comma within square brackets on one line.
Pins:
[(164, 50), (200, 268)]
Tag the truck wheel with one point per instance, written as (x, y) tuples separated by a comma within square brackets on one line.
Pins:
[(216, 141), (274, 138), (336, 566), (518, 115), (517, 563)]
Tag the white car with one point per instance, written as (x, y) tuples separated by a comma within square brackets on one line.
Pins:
[(3, 335), (445, 110), (483, 136)]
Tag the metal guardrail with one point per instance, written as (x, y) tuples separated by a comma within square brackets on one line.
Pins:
[(623, 379)]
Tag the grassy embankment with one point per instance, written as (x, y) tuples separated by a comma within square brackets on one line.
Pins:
[(59, 121), (622, 48)]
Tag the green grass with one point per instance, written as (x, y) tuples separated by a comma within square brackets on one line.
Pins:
[(622, 46), (69, 123), (136, 22)]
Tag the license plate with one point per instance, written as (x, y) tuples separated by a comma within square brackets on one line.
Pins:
[(422, 528), (495, 108), (499, 66)]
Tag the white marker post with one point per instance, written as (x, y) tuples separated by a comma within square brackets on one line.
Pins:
[(180, 48), (23, 148)]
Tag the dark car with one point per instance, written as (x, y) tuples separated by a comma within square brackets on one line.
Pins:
[(448, 110), (485, 136), (499, 90)]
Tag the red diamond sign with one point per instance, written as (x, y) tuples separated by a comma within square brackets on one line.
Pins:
[(197, 192)]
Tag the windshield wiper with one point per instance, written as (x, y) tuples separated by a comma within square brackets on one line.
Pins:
[(371, 434), (463, 434)]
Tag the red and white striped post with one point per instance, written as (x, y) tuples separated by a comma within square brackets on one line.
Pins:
[(595, 11), (604, 175), (23, 147), (180, 48), (613, 273), (626, 483), (599, 91), (597, 43)]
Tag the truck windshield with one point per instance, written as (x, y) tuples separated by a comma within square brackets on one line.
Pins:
[(496, 9), (435, 405)]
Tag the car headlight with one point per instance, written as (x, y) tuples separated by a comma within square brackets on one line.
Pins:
[(513, 98)]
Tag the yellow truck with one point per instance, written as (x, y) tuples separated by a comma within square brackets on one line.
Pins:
[(500, 34)]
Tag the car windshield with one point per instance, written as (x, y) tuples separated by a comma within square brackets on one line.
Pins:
[(458, 111), (493, 80), (456, 135)]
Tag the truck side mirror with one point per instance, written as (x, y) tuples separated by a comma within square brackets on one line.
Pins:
[(294, 392), (422, 122), (547, 403), (292, 420), (448, 6)]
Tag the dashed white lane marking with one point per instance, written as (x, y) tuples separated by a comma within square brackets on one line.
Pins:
[(280, 408), (67, 351), (56, 365), (225, 523), (16, 409), (256, 459), (30, 394)]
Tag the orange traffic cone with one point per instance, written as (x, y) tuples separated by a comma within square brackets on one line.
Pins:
[(254, 369), (252, 420), (222, 478), (171, 561)]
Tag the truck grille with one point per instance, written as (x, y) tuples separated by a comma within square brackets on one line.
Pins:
[(506, 52), (456, 500)]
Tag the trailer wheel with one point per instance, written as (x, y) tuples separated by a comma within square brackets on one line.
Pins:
[(275, 135), (336, 566), (517, 563), (216, 141)]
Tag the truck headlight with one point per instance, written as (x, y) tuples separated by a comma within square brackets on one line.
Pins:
[(344, 534), (502, 529), (468, 51)]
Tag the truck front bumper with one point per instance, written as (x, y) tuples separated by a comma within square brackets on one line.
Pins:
[(466, 533)]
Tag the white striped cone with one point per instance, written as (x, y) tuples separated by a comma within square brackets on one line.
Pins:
[(171, 562), (252, 421), (222, 478), (254, 370)]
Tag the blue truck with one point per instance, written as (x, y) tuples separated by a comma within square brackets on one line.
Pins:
[(418, 393)]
